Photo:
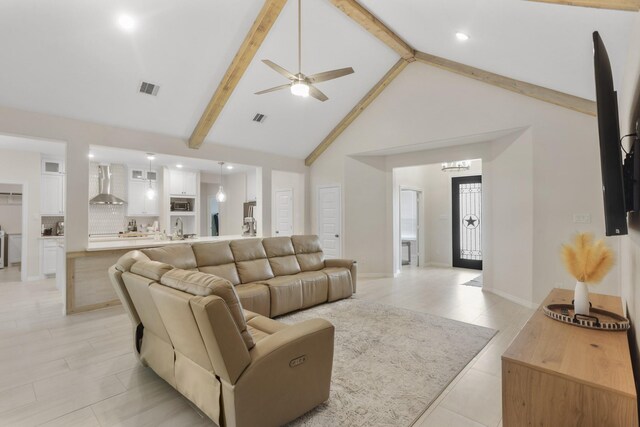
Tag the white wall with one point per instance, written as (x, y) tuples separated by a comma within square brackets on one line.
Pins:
[(79, 135), (281, 180), (629, 99), (10, 214), (22, 167), (555, 176)]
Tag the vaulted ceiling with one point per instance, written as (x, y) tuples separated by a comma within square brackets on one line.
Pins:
[(70, 58)]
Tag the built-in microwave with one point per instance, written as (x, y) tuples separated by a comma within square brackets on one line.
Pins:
[(181, 206)]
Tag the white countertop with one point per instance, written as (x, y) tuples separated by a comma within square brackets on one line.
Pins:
[(50, 237), (149, 242)]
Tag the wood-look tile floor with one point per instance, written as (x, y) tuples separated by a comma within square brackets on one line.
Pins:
[(80, 370)]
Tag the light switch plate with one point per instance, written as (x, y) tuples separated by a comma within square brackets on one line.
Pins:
[(582, 218)]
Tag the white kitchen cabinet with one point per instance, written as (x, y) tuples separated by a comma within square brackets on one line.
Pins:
[(14, 255), (52, 194), (138, 203), (48, 256), (183, 183)]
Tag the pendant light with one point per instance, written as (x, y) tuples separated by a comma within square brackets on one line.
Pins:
[(221, 196), (151, 193)]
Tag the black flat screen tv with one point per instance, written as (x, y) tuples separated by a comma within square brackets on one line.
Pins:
[(615, 212)]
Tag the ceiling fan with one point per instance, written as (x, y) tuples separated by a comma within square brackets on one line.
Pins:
[(300, 84)]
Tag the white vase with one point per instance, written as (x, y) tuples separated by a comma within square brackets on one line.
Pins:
[(581, 298)]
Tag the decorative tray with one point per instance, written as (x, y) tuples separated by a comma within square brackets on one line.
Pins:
[(597, 318)]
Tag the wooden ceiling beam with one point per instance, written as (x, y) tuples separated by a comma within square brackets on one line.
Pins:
[(355, 112), (562, 99), (252, 42), (376, 27), (630, 5)]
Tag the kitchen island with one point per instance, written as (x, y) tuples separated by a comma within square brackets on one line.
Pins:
[(88, 284)]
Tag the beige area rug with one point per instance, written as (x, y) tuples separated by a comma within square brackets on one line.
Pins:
[(389, 364)]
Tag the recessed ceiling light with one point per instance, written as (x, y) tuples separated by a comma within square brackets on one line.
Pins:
[(462, 36), (91, 155), (127, 22), (178, 165), (229, 167)]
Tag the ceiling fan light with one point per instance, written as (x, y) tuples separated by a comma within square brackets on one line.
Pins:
[(300, 89)]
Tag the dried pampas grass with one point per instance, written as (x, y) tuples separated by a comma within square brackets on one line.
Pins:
[(586, 260)]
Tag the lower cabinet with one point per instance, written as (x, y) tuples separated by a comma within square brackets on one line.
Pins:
[(15, 249), (48, 256)]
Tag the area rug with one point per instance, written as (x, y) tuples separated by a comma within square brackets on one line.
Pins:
[(476, 281), (389, 364)]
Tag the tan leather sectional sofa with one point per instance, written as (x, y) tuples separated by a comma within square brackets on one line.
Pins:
[(201, 322)]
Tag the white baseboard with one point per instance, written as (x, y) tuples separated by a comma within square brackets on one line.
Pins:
[(34, 278), (512, 298)]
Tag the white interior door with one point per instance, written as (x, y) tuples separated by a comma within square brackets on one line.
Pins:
[(284, 212), (330, 221)]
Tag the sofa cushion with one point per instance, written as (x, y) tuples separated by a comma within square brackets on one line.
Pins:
[(284, 265), (339, 283), (255, 297), (254, 271), (153, 270), (261, 327), (251, 260), (213, 253), (281, 255), (247, 249), (315, 285), (226, 271), (308, 252), (179, 256), (286, 294), (278, 246), (202, 284)]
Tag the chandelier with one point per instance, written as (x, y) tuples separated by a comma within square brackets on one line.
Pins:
[(462, 165)]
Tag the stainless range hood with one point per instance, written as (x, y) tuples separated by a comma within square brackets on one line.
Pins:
[(104, 181)]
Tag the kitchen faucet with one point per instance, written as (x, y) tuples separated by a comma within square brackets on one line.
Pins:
[(179, 228)]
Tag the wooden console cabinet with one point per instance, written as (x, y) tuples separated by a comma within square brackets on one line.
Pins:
[(555, 374)]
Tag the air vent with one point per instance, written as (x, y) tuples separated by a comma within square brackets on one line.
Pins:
[(149, 88), (260, 118)]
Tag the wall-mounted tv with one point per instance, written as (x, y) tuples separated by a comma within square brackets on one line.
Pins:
[(615, 210)]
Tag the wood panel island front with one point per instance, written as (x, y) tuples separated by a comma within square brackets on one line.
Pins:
[(88, 286)]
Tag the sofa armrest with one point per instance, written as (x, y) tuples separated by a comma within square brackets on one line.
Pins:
[(345, 263), (289, 374)]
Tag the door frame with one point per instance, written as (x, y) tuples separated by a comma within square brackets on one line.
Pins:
[(274, 222), (420, 231), (455, 228), (341, 213)]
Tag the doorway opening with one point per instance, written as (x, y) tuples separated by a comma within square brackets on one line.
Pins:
[(11, 215), (410, 224), (439, 216)]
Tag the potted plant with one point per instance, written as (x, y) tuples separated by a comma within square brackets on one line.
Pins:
[(588, 261)]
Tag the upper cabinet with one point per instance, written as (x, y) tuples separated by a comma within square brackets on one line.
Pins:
[(138, 203), (183, 183), (52, 188)]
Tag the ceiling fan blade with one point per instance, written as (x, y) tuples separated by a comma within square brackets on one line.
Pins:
[(273, 89), (330, 75), (313, 91), (279, 69)]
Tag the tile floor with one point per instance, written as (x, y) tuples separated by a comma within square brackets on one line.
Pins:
[(80, 370)]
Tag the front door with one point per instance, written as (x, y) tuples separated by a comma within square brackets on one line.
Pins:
[(284, 212), (466, 217), (329, 221)]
